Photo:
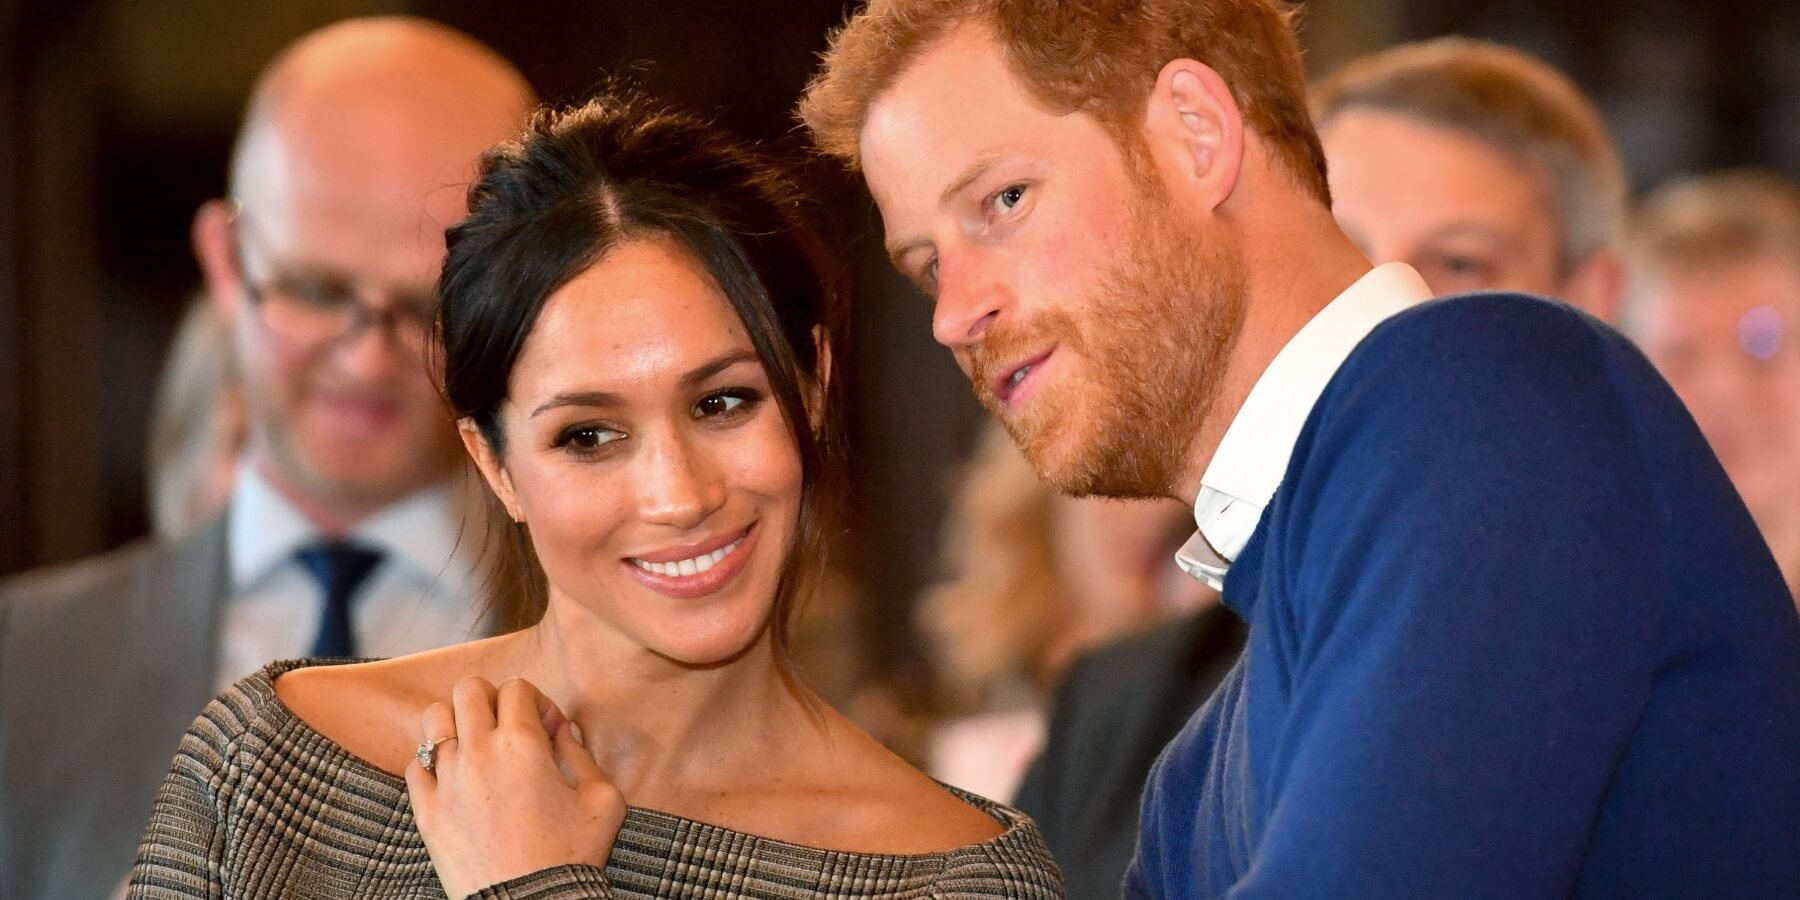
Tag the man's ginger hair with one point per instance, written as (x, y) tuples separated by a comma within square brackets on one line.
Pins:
[(1098, 57)]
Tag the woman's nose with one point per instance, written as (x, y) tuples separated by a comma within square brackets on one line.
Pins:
[(677, 485)]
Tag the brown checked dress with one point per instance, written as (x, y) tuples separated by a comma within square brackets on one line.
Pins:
[(260, 805)]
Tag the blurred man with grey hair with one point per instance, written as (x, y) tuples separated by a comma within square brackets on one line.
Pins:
[(344, 531), (1481, 166)]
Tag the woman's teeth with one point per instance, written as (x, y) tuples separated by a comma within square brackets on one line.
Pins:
[(693, 566)]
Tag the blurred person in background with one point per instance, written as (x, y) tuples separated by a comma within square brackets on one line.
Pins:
[(1481, 166), (1714, 300), (1485, 169), (196, 425), (1031, 580), (344, 533)]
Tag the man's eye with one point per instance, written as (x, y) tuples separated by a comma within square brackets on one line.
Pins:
[(1009, 198), (1464, 265), (419, 310), (316, 294), (928, 277)]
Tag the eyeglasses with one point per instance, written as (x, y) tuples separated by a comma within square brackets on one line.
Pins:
[(322, 310)]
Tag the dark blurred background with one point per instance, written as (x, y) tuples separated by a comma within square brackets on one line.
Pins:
[(116, 117)]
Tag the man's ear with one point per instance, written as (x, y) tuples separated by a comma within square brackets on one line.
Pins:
[(214, 249), (1195, 132), (493, 471), (1597, 286)]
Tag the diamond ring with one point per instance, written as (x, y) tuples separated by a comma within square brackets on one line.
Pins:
[(427, 752)]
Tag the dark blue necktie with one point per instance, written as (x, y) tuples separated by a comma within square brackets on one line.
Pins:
[(340, 569)]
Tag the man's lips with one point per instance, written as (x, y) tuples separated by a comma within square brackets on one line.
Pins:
[(1011, 377), (358, 416)]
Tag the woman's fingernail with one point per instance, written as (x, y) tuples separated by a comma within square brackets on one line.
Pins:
[(575, 732)]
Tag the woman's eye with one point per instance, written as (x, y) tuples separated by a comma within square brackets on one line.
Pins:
[(586, 438), (1009, 198), (723, 403)]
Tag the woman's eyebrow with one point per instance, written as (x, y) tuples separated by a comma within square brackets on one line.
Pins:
[(577, 398), (694, 376), (716, 365)]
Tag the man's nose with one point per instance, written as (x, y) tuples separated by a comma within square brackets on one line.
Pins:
[(374, 350), (970, 300)]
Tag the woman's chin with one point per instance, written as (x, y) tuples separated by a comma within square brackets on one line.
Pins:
[(708, 650)]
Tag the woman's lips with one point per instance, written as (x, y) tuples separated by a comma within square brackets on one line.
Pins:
[(698, 574)]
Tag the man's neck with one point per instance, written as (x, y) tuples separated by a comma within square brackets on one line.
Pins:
[(1295, 265)]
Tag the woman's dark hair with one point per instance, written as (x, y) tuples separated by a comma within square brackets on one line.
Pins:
[(620, 168)]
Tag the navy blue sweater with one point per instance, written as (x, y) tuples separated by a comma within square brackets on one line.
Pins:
[(1512, 635)]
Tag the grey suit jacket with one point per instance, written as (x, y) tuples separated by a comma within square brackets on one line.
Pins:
[(103, 665), (1115, 710)]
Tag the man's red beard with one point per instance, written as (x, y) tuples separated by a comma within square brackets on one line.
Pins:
[(1138, 377)]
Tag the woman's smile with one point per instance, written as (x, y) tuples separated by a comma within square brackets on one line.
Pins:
[(695, 569)]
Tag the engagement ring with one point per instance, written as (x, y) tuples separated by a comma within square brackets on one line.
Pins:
[(427, 752)]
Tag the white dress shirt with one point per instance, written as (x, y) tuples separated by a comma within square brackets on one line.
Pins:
[(1247, 467), (421, 595)]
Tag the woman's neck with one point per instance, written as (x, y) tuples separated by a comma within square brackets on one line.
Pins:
[(651, 721)]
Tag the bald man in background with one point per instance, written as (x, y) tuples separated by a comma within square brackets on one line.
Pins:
[(345, 534)]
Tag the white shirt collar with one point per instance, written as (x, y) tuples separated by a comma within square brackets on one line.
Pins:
[(1250, 460), (419, 534), (263, 530)]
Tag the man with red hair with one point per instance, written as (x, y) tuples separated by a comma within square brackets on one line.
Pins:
[(1512, 633)]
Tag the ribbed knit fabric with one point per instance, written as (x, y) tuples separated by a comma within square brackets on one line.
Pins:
[(260, 805), (1512, 635)]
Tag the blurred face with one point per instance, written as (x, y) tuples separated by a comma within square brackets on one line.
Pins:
[(1726, 340), (656, 474), (1091, 318), (348, 420), (1114, 559), (1462, 213)]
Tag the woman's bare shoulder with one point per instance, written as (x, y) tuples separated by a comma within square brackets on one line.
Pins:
[(895, 808), (372, 709)]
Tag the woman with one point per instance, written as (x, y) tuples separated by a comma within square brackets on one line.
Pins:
[(636, 339)]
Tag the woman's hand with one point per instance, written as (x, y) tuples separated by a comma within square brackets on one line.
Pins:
[(512, 792)]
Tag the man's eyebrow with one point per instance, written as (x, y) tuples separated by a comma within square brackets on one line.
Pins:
[(1476, 230), (975, 170), (695, 376), (898, 252)]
